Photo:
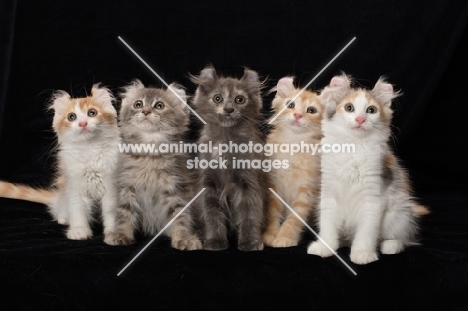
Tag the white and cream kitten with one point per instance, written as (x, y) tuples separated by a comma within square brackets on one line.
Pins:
[(365, 196), (298, 185), (88, 139)]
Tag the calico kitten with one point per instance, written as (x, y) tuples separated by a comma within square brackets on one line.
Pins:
[(234, 198), (365, 196), (298, 185), (88, 139), (154, 187)]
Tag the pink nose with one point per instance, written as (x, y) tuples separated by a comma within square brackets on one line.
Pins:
[(297, 116), (83, 124), (360, 120)]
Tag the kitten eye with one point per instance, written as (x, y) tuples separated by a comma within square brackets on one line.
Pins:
[(371, 109), (71, 117), (290, 105), (159, 105), (92, 112), (349, 107), (311, 110), (138, 104), (240, 99), (218, 99)]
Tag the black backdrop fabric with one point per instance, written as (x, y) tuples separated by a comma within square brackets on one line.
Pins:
[(419, 46)]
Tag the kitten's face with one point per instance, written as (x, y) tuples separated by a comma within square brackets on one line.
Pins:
[(304, 114), (358, 110), (360, 113), (83, 119), (227, 101), (153, 110)]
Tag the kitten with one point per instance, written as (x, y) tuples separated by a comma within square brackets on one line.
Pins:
[(234, 198), (88, 139), (154, 187), (365, 196), (298, 185)]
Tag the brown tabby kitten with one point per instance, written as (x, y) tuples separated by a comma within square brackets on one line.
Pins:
[(154, 186)]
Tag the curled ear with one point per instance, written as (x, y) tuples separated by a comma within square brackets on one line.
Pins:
[(178, 95), (285, 87), (338, 88), (60, 101), (206, 79), (250, 76), (383, 92), (102, 95), (130, 91)]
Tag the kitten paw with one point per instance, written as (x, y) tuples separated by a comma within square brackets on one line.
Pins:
[(63, 221), (250, 246), (117, 239), (79, 233), (390, 247), (215, 245), (319, 249), (363, 257), (284, 242), (268, 239), (187, 245)]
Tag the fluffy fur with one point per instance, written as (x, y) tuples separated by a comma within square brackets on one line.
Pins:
[(234, 198), (298, 185), (365, 196), (153, 188), (88, 139)]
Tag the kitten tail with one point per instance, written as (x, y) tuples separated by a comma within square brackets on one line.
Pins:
[(22, 192)]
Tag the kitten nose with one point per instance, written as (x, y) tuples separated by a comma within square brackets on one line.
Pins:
[(228, 109), (146, 112), (83, 124), (360, 120), (297, 116)]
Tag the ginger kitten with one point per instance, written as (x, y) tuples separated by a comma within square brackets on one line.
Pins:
[(299, 184)]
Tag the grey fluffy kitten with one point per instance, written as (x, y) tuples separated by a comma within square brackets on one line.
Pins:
[(234, 198), (153, 188)]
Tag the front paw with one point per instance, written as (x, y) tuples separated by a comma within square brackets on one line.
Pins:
[(250, 246), (117, 239), (319, 249), (363, 257), (215, 245), (187, 245), (284, 242), (268, 239), (390, 247), (79, 233)]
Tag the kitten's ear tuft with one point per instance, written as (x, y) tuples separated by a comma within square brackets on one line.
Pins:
[(285, 87), (130, 90), (102, 95), (384, 92), (250, 76), (338, 88), (208, 74), (60, 101)]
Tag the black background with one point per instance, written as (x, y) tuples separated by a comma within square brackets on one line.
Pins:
[(419, 46)]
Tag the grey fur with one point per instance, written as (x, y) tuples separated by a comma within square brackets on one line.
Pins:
[(153, 188), (234, 199)]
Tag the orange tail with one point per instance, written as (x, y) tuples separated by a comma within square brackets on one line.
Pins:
[(420, 210), (22, 192)]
